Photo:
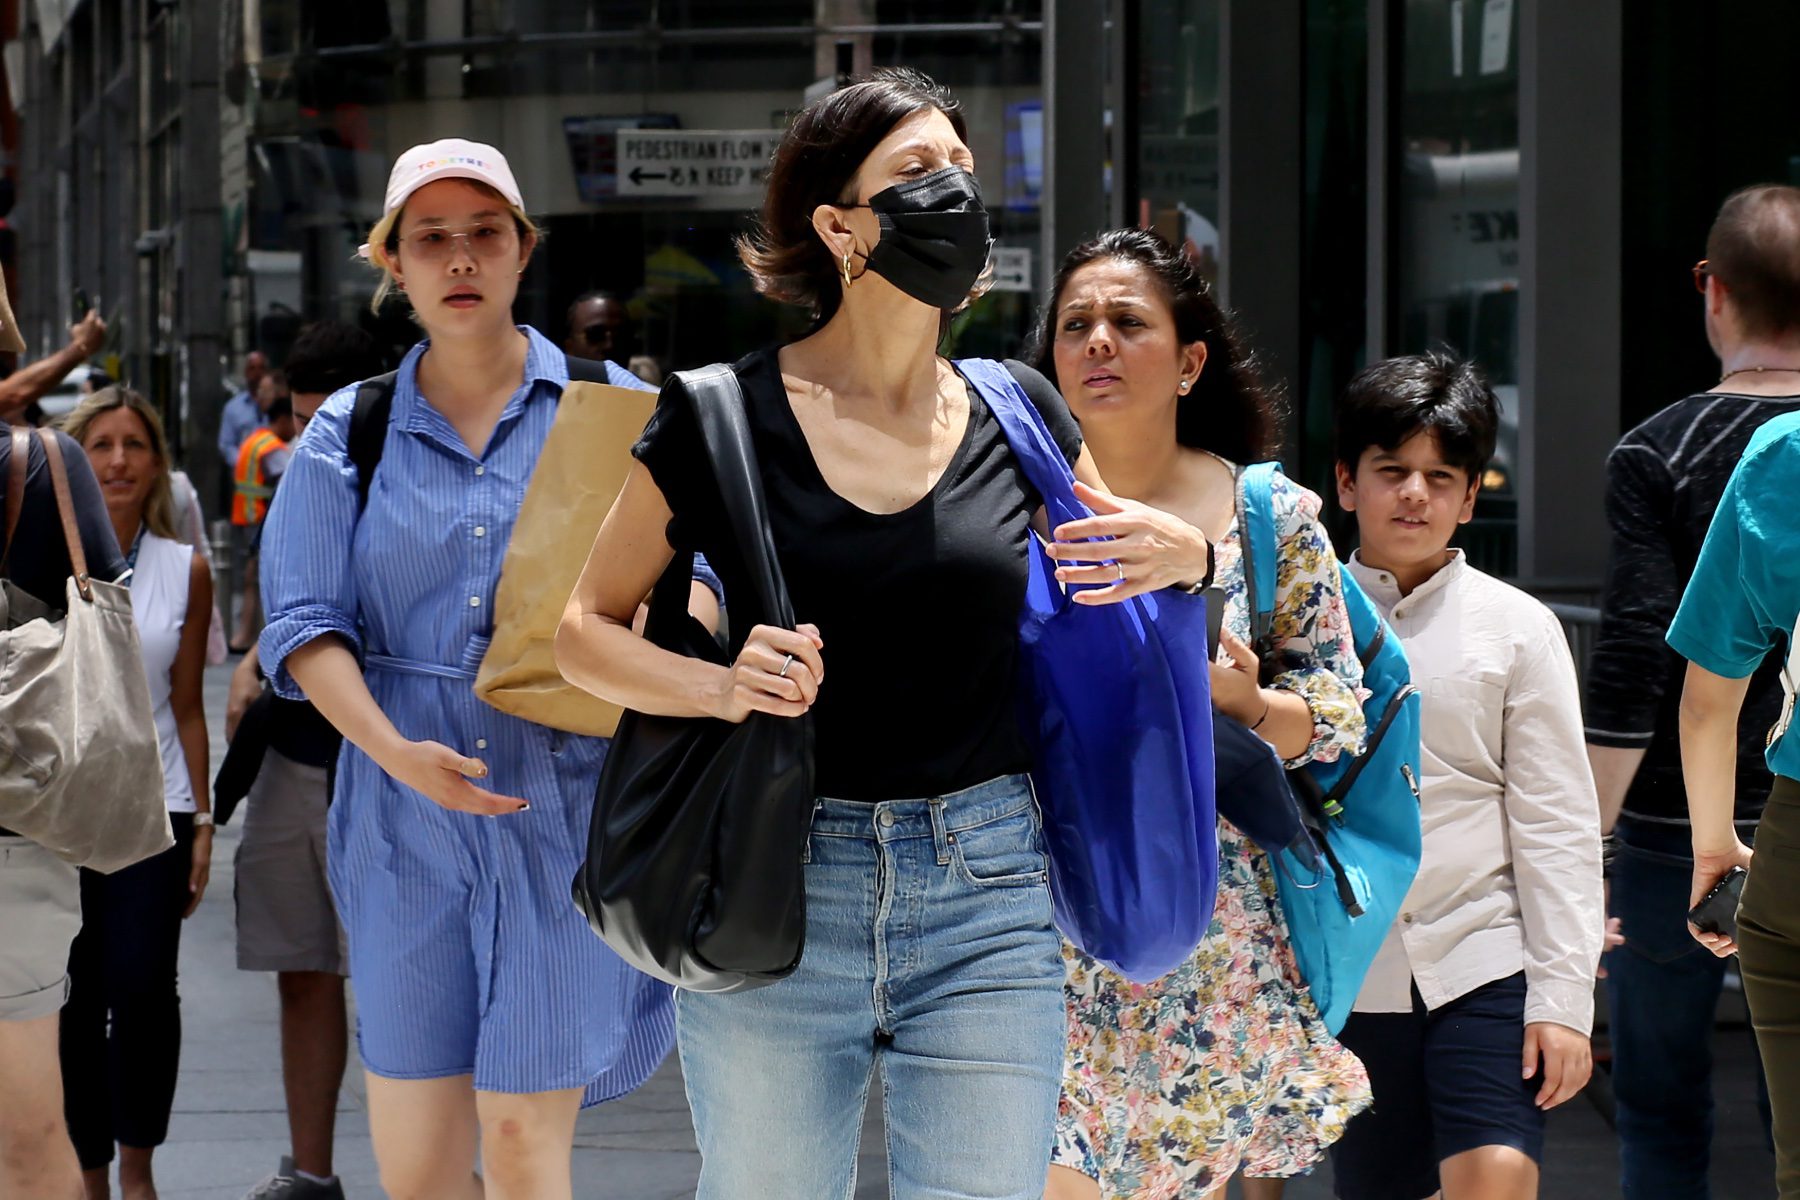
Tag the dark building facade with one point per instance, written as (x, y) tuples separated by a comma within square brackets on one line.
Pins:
[(1523, 181)]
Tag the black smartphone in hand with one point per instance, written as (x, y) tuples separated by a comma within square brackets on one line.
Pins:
[(1215, 618), (1717, 910)]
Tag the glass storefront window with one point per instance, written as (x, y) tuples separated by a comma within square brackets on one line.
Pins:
[(1172, 129), (563, 87), (1335, 246), (1457, 235)]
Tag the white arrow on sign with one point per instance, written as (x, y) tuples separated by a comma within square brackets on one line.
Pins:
[(694, 162), (1012, 269)]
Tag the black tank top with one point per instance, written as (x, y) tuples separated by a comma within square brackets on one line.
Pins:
[(918, 609)]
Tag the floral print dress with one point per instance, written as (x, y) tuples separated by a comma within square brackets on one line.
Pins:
[(1225, 1064)]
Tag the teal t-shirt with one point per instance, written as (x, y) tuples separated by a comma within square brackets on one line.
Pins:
[(1744, 597)]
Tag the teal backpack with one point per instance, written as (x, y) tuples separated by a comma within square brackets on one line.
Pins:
[(1361, 813)]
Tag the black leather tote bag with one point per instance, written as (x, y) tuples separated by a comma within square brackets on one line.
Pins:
[(693, 872)]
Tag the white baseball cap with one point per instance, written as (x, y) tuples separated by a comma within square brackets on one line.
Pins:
[(448, 158)]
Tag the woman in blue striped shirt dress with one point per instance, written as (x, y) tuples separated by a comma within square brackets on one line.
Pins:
[(487, 1011)]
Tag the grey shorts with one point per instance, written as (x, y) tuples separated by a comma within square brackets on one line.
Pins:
[(285, 918), (40, 903)]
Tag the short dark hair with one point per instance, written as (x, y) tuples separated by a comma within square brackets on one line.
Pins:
[(329, 355), (281, 406), (1230, 411), (1753, 249), (815, 164), (1437, 393)]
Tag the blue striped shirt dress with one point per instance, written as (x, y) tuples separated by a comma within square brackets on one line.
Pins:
[(466, 952)]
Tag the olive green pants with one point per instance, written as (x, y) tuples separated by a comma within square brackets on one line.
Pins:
[(1769, 957)]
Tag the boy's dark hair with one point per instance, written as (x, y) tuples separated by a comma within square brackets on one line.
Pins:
[(283, 406), (329, 355), (1390, 401), (1231, 411), (1754, 250)]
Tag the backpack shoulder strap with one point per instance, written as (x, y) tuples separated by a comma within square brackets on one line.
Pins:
[(1027, 435), (368, 431), (15, 488), (587, 370), (1260, 545)]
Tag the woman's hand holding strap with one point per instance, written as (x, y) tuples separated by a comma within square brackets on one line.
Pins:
[(778, 672)]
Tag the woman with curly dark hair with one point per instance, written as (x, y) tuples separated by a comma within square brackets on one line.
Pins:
[(1224, 1065)]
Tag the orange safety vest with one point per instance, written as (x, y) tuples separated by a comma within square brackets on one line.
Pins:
[(250, 504)]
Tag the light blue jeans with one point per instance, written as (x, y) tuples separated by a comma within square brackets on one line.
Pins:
[(929, 949)]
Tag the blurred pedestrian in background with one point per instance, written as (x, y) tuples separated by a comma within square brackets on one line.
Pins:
[(286, 921), (121, 1030), (1663, 485), (260, 462), (242, 413)]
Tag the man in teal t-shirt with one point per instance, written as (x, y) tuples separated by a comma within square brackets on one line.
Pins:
[(1742, 602)]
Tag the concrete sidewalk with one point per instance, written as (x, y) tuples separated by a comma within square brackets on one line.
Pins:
[(230, 1125)]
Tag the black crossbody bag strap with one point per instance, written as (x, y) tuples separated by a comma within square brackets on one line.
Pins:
[(717, 402)]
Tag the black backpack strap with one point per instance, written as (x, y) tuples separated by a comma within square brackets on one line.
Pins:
[(368, 431), (587, 370)]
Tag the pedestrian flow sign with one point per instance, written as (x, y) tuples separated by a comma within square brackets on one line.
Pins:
[(695, 162)]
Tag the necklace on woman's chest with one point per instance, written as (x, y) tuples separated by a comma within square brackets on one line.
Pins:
[(131, 557)]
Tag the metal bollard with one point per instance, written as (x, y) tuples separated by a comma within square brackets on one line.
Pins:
[(225, 573)]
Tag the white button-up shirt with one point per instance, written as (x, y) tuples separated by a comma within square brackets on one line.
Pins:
[(1510, 878)]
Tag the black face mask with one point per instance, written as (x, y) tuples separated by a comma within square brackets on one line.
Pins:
[(934, 237)]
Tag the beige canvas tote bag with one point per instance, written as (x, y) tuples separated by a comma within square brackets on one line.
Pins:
[(578, 476), (80, 773)]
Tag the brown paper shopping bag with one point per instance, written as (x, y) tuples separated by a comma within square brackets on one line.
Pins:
[(579, 473)]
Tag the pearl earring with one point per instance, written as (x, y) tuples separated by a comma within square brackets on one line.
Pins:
[(1185, 385)]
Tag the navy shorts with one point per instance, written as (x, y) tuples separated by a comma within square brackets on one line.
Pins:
[(1443, 1082)]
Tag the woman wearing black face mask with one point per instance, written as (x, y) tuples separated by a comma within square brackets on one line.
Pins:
[(900, 518)]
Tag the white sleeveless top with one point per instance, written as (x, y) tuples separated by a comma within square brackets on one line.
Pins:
[(159, 602)]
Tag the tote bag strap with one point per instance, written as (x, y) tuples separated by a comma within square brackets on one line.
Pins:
[(65, 508), (15, 489), (1258, 545), (1028, 436), (717, 401)]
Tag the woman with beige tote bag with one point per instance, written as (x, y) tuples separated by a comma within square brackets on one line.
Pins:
[(40, 904)]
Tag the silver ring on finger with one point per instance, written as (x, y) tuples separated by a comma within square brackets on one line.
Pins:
[(1120, 568), (785, 664)]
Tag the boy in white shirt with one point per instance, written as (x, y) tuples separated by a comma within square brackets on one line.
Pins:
[(1474, 1020)]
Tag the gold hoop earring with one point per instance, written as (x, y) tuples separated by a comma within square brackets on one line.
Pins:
[(846, 268)]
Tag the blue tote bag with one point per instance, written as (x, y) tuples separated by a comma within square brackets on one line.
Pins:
[(1117, 707)]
